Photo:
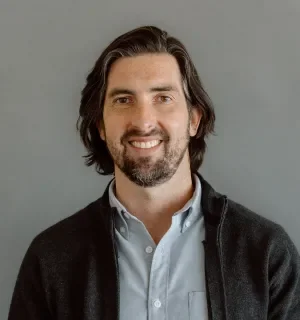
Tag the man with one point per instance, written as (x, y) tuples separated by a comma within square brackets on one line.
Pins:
[(160, 243)]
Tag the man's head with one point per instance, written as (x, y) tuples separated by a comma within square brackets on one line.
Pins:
[(143, 110)]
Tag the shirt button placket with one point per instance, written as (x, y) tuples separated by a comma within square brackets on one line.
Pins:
[(157, 284)]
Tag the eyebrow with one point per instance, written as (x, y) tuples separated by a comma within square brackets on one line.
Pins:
[(116, 91)]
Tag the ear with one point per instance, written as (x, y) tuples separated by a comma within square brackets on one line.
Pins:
[(101, 129), (195, 119), (102, 134)]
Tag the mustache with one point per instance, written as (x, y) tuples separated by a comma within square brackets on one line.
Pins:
[(141, 133)]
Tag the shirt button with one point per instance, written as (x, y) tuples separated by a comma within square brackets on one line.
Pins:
[(149, 249), (126, 215), (122, 229), (187, 224), (157, 303)]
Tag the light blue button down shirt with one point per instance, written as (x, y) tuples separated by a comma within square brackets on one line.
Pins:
[(164, 281)]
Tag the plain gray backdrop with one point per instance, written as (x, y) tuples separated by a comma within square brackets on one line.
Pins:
[(247, 54)]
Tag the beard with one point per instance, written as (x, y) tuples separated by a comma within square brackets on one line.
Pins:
[(144, 171)]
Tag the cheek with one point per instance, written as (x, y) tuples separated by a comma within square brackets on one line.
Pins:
[(114, 129), (178, 124)]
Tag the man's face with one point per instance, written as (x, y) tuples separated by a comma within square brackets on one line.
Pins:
[(146, 123)]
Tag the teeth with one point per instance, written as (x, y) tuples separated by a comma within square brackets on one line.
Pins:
[(145, 145)]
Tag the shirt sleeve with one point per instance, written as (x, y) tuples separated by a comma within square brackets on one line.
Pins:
[(284, 279), (29, 299)]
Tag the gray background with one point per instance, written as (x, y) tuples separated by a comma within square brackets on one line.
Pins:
[(247, 54)]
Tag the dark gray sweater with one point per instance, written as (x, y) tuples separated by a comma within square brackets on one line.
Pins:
[(70, 270)]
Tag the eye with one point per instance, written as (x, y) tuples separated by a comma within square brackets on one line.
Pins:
[(122, 100), (165, 98)]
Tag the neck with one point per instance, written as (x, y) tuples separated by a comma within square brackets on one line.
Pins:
[(155, 206)]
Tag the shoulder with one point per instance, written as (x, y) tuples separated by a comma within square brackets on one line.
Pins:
[(246, 219), (70, 235), (257, 230), (241, 220)]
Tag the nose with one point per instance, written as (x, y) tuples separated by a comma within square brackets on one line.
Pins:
[(143, 117)]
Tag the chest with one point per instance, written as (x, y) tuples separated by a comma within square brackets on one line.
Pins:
[(167, 280)]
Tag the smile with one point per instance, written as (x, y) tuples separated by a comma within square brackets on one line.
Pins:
[(145, 145)]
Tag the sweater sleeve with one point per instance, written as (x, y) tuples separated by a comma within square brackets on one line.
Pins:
[(28, 301), (284, 279)]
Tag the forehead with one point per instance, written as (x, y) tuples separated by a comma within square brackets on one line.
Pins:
[(144, 70)]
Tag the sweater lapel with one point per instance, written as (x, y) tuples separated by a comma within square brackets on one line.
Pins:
[(214, 210)]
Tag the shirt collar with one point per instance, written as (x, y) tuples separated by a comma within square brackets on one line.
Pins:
[(191, 211), (182, 218)]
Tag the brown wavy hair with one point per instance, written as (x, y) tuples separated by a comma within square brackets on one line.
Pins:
[(142, 40)]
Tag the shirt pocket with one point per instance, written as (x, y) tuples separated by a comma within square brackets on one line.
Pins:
[(198, 306)]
